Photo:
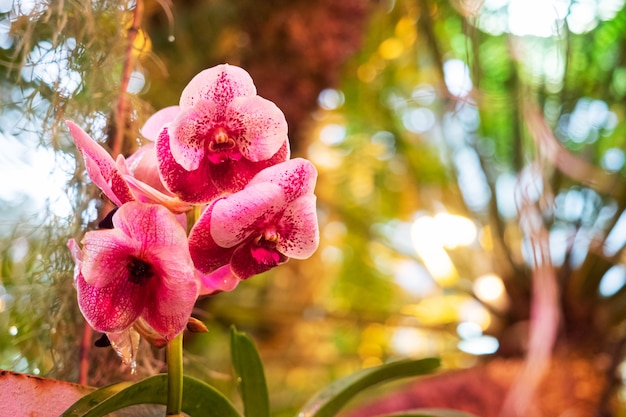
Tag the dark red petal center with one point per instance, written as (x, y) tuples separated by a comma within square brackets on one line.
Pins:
[(139, 272), (263, 248)]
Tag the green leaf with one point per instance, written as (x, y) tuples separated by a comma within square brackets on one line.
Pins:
[(94, 399), (330, 400), (199, 399), (250, 375), (202, 400), (430, 412)]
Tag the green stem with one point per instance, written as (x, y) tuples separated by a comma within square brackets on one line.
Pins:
[(175, 376)]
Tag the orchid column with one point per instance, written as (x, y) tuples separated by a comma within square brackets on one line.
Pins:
[(224, 153)]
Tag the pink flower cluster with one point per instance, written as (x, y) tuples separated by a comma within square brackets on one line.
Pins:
[(223, 150)]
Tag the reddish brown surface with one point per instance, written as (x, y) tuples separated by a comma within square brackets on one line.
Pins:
[(24, 395), (27, 395), (571, 388)]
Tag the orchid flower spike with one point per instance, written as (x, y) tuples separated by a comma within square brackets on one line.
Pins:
[(139, 269), (222, 135), (271, 220)]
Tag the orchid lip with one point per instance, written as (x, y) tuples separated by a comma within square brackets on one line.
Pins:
[(222, 149), (270, 236), (222, 145), (221, 136)]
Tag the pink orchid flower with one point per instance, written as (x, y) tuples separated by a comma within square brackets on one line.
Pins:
[(222, 136), (140, 269), (271, 220)]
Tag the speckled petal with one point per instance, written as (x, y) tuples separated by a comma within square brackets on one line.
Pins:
[(298, 229), (189, 134), (297, 177), (194, 187), (233, 176), (152, 225), (243, 214), (206, 254), (261, 125), (219, 84)]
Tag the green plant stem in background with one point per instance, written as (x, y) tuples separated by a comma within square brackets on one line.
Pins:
[(175, 376)]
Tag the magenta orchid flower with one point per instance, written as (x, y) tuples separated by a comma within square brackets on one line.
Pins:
[(140, 269), (271, 220), (222, 135)]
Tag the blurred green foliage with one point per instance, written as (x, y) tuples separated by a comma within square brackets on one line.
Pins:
[(397, 133)]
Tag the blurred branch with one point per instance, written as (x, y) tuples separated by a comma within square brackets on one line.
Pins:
[(121, 114), (545, 315), (571, 165), (122, 103), (427, 27)]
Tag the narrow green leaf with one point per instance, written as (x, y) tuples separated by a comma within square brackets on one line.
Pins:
[(95, 398), (202, 400), (430, 412), (330, 400), (199, 399), (250, 375)]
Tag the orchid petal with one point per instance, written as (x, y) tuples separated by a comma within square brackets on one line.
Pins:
[(152, 225), (244, 265), (112, 308), (189, 134), (262, 127), (105, 256), (193, 187), (122, 166), (171, 302), (155, 196), (220, 280), (75, 251), (143, 165), (206, 254), (155, 123), (77, 256), (238, 216), (100, 167), (219, 84), (297, 177), (233, 176), (299, 232)]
